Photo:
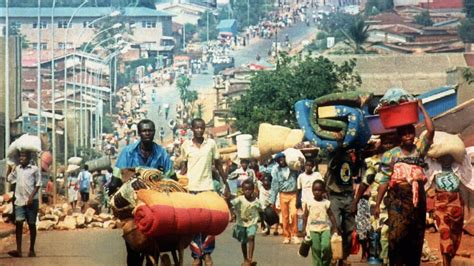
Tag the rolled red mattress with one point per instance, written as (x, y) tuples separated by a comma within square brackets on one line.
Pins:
[(181, 213)]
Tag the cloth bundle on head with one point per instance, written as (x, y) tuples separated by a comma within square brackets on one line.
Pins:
[(394, 96), (181, 213), (444, 144), (273, 139), (25, 143), (294, 159), (335, 121)]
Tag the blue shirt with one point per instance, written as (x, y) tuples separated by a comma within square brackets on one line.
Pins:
[(284, 180), (131, 157)]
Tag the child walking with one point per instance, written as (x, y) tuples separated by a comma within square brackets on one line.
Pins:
[(317, 216), (246, 208)]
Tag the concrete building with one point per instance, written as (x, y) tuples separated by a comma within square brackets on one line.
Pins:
[(14, 89), (151, 29), (184, 13)]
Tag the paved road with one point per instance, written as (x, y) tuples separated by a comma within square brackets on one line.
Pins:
[(106, 247), (168, 94)]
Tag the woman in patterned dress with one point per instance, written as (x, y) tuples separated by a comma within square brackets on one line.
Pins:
[(446, 175), (403, 178)]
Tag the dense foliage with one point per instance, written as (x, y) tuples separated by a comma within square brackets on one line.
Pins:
[(466, 30), (424, 18), (373, 7), (272, 94)]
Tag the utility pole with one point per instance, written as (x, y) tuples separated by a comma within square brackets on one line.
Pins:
[(7, 87), (38, 68), (53, 96), (184, 37), (248, 13), (207, 13)]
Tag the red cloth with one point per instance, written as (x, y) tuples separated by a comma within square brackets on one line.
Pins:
[(155, 220)]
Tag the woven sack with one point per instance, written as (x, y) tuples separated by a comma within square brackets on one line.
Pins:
[(296, 136), (271, 139), (445, 143)]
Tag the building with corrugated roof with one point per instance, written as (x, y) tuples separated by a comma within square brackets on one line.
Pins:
[(150, 28)]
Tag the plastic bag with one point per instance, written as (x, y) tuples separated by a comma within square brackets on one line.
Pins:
[(355, 243)]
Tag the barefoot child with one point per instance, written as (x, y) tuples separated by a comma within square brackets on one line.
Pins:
[(246, 208), (317, 216)]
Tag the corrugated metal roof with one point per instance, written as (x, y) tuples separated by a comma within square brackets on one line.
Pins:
[(21, 12), (226, 24)]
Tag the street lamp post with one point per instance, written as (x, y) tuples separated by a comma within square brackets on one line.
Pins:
[(207, 17), (53, 97), (65, 81), (81, 114), (7, 80), (93, 22), (38, 68), (7, 86)]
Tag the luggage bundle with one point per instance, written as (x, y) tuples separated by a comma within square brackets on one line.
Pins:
[(180, 213), (273, 139), (159, 210), (397, 108), (335, 120), (447, 144)]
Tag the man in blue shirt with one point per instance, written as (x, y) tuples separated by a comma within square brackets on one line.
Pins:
[(145, 153)]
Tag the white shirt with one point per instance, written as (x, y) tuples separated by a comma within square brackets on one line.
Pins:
[(27, 179), (318, 219), (263, 195), (305, 183), (199, 161)]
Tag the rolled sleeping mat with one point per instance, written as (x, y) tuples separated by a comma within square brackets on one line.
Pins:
[(303, 110), (326, 128), (181, 213), (357, 131), (350, 98)]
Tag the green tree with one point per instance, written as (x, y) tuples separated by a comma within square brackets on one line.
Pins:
[(424, 18), (335, 24), (190, 31), (206, 17), (357, 35), (14, 31), (469, 8), (373, 7), (466, 30), (272, 94), (188, 97), (249, 12)]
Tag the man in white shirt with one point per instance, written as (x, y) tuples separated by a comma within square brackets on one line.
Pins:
[(27, 179), (198, 155)]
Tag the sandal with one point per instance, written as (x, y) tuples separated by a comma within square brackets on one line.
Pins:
[(208, 260), (15, 254), (197, 262)]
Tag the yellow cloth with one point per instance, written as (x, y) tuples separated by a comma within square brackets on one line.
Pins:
[(199, 161)]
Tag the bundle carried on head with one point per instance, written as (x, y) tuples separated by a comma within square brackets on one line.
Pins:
[(335, 121), (447, 144), (125, 199), (25, 143), (273, 139)]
